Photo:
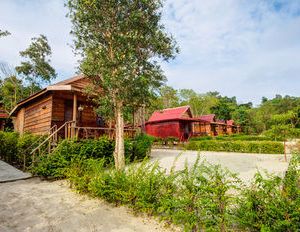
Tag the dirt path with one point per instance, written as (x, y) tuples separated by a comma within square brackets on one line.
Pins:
[(35, 205)]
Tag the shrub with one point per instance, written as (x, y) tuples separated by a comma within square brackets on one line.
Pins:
[(196, 198), (235, 137), (26, 143), (200, 138), (138, 148), (271, 203), (267, 147), (69, 151), (15, 149), (8, 148)]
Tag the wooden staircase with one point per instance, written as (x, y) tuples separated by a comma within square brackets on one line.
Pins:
[(51, 141)]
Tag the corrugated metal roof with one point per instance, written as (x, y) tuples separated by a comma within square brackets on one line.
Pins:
[(168, 114)]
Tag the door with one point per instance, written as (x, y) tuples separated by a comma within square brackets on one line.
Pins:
[(68, 110)]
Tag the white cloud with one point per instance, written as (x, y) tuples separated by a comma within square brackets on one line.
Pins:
[(238, 47), (245, 48)]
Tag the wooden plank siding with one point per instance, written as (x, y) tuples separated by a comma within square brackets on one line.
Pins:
[(81, 84), (37, 117)]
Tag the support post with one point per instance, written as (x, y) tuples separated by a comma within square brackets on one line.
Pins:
[(74, 115)]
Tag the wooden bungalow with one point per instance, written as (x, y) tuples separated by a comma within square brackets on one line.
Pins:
[(180, 123), (205, 125), (3, 117), (221, 127), (173, 122), (62, 105), (232, 127)]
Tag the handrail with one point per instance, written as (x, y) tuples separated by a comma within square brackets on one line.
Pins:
[(102, 128), (50, 136)]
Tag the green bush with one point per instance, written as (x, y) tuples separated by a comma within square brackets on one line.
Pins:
[(26, 143), (201, 138), (8, 148), (139, 147), (265, 147), (234, 137), (69, 151), (197, 198), (271, 203), (15, 149)]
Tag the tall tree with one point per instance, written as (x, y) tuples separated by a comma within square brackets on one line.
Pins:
[(36, 68), (120, 42)]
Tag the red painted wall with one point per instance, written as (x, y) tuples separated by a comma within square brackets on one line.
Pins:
[(164, 129)]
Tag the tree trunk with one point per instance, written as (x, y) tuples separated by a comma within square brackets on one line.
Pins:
[(119, 155)]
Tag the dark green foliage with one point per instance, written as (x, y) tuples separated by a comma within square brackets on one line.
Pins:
[(69, 151), (8, 148), (196, 198), (234, 137), (15, 149), (139, 147), (265, 147), (272, 203), (26, 143)]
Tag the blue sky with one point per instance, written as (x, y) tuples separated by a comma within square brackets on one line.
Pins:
[(242, 48)]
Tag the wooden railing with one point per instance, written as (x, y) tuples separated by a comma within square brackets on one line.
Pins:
[(72, 131), (50, 138), (94, 132)]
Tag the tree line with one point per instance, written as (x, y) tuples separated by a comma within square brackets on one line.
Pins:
[(278, 116)]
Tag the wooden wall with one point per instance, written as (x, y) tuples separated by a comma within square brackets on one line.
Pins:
[(201, 128), (164, 129), (18, 121), (37, 116), (86, 118), (81, 84)]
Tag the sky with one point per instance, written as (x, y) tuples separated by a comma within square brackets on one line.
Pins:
[(248, 49)]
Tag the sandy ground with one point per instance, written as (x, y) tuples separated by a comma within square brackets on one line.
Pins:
[(35, 205), (8, 173), (244, 164)]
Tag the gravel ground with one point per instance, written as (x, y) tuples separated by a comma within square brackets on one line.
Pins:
[(245, 164), (35, 205)]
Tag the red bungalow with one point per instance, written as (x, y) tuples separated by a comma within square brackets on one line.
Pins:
[(179, 122), (172, 122)]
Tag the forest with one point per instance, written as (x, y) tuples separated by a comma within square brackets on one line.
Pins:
[(276, 117)]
